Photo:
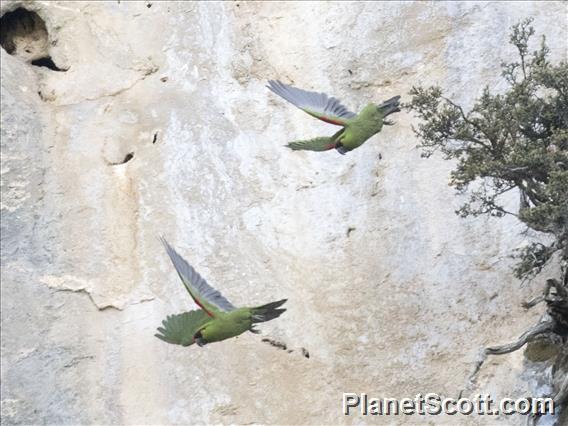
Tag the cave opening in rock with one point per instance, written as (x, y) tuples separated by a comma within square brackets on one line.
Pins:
[(23, 34)]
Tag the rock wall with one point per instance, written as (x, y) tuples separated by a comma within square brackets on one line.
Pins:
[(158, 122)]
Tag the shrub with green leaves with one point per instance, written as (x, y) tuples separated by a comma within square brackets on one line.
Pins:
[(515, 141)]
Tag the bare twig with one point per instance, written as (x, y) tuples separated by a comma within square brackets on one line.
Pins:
[(529, 335), (541, 298), (537, 330), (471, 123)]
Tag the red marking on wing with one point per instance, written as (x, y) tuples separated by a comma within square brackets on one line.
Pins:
[(331, 146), (201, 306), (329, 120), (321, 117)]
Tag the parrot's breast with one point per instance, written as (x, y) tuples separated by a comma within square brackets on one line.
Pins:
[(358, 132), (226, 325)]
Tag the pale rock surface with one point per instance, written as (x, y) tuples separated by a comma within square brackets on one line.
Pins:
[(389, 291)]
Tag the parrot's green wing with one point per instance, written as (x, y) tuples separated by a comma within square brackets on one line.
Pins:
[(179, 329), (318, 105), (315, 144), (209, 299)]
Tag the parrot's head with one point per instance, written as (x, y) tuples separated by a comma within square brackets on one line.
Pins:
[(371, 112)]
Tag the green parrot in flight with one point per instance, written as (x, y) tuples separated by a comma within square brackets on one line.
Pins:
[(217, 319), (356, 128)]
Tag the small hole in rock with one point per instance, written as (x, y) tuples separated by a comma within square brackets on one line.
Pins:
[(155, 139), (127, 158), (23, 34)]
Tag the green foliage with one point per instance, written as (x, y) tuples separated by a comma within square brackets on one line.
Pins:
[(511, 141)]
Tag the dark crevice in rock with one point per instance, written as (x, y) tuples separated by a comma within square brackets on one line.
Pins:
[(127, 158), (282, 346), (275, 343), (155, 139), (47, 62)]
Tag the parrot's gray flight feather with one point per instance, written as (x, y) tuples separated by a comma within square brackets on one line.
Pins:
[(196, 281), (318, 104)]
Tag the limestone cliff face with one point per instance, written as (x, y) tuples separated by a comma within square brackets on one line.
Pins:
[(158, 122)]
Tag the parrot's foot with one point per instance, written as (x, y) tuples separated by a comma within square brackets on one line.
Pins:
[(200, 340), (388, 122), (341, 149)]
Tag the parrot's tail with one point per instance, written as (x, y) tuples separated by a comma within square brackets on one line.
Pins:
[(268, 312), (315, 144), (390, 106)]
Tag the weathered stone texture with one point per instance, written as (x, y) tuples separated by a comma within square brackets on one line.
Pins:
[(389, 291)]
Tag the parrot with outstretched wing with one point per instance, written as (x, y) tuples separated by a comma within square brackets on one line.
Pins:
[(217, 319), (356, 128)]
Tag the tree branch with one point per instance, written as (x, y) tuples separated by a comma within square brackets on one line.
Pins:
[(468, 121), (529, 335)]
